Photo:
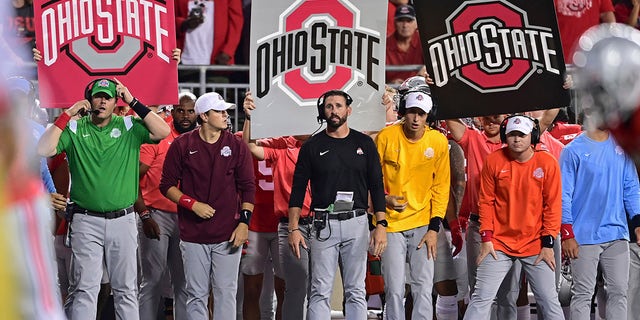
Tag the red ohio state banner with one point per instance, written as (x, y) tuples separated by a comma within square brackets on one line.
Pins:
[(491, 57), (85, 40)]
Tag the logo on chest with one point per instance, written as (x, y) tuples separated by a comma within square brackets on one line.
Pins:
[(115, 133), (225, 151)]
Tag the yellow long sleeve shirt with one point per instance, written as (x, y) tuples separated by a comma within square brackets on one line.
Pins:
[(419, 171)]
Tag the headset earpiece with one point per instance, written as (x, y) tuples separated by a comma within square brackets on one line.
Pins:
[(320, 102)]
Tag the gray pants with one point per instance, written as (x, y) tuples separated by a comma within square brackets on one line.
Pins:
[(210, 265), (633, 294), (613, 258), (296, 273), (348, 239), (63, 261), (402, 247), (509, 288), (94, 240), (490, 275), (155, 256)]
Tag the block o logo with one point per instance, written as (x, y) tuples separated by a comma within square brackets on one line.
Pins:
[(319, 45), (491, 47)]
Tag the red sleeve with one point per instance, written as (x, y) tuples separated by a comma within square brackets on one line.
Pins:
[(148, 153), (552, 200), (606, 6), (234, 31), (621, 12), (487, 197)]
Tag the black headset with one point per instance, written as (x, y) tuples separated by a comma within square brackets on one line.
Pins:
[(402, 105), (330, 93), (87, 89), (535, 132)]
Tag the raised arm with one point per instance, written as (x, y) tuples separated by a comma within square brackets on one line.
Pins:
[(51, 137), (248, 105), (158, 128)]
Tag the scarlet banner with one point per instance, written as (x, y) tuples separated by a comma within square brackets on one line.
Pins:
[(84, 40)]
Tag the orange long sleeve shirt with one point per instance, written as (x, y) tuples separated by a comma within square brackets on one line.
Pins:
[(520, 202)]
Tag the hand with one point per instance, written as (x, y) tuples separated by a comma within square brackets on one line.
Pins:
[(192, 22), (296, 240), (568, 82), (456, 236), (123, 92), (431, 239), (77, 108), (222, 58), (248, 104), (570, 248), (240, 235), (175, 54), (546, 255), (58, 201), (203, 210), (37, 55), (151, 228), (395, 202), (486, 248), (378, 242)]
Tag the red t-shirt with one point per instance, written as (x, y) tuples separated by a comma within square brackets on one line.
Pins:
[(153, 155), (565, 133), (283, 152), (550, 144), (622, 12), (263, 218), (397, 57), (476, 147), (575, 17)]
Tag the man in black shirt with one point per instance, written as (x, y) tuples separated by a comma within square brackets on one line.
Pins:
[(343, 167)]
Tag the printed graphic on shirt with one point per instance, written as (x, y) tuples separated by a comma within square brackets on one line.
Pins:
[(574, 8)]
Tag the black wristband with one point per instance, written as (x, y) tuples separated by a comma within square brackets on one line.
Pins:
[(434, 224), (247, 117), (139, 108), (547, 241), (245, 216)]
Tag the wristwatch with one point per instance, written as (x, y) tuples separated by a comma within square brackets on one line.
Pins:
[(383, 223)]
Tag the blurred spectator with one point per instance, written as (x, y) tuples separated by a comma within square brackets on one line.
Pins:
[(626, 11), (403, 46), (562, 130), (21, 25), (393, 4), (576, 16), (208, 32)]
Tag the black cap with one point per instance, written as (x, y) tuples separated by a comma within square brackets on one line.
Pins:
[(405, 11)]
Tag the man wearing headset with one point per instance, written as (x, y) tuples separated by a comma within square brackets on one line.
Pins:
[(512, 225), (415, 166), (103, 151), (343, 167)]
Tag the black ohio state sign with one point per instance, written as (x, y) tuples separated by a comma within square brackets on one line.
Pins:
[(492, 56)]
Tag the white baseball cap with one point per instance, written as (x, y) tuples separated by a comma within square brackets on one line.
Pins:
[(419, 100), (519, 123), (212, 101)]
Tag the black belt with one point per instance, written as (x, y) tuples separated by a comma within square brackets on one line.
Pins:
[(303, 221), (107, 215), (346, 215), (474, 217)]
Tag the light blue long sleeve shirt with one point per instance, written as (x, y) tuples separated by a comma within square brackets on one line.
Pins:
[(37, 130), (599, 187)]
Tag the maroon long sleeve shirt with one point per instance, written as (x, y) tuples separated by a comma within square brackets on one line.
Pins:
[(219, 174)]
